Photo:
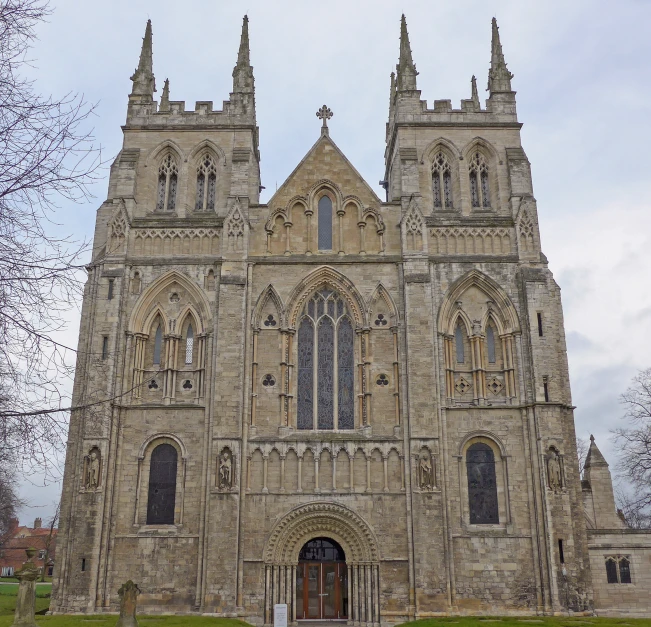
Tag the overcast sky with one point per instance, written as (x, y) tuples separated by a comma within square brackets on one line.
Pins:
[(583, 78)]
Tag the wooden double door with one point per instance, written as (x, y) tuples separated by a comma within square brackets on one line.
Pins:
[(321, 591)]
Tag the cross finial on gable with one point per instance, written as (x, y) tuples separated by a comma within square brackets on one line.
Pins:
[(324, 113)]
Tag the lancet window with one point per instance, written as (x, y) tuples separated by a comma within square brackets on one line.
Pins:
[(162, 485), (442, 182), (482, 485), (479, 184), (458, 342), (490, 344), (189, 345), (158, 345), (325, 223), (167, 183), (326, 364), (206, 184)]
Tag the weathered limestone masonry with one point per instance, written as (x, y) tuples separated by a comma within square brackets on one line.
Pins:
[(357, 407)]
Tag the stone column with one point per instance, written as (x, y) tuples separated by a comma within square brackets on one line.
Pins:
[(27, 576), (128, 601)]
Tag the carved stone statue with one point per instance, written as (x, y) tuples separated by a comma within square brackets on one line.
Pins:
[(92, 469), (425, 473), (225, 470), (554, 471)]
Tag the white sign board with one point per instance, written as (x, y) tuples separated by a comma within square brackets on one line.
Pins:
[(280, 615)]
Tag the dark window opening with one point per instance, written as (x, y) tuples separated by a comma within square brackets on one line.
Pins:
[(110, 289), (482, 485), (490, 341), (105, 347), (458, 340), (324, 234), (322, 550), (83, 564), (162, 485), (540, 327), (546, 390), (624, 571), (611, 571), (560, 551)]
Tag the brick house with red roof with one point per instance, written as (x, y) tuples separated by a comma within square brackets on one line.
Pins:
[(12, 551)]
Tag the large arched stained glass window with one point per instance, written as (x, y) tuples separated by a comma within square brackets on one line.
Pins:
[(325, 223), (326, 365), (162, 485), (482, 485)]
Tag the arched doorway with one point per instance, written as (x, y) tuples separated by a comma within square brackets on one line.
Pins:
[(321, 581)]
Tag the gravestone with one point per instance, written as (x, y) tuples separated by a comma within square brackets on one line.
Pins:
[(128, 600), (27, 576)]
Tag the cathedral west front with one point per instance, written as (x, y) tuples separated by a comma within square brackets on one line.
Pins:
[(351, 400)]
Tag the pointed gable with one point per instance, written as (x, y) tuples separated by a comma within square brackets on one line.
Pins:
[(324, 162)]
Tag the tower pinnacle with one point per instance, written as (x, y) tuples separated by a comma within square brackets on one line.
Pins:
[(165, 97), (406, 69), (243, 72), (499, 77), (144, 83)]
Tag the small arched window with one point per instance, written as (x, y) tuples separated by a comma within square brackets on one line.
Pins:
[(189, 345), (482, 485), (479, 186), (162, 485), (458, 341), (158, 344), (325, 223), (490, 344), (167, 183), (206, 184), (611, 570), (442, 182), (624, 571)]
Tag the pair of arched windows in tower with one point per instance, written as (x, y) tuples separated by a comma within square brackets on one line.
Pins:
[(206, 188), (442, 193), (158, 345), (459, 344)]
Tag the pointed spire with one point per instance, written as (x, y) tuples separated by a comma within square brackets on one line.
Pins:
[(406, 68), (475, 94), (165, 97), (144, 83), (243, 72), (499, 77), (595, 457)]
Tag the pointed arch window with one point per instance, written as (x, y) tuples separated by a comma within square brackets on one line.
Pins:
[(482, 485), (206, 184), (458, 342), (168, 174), (325, 223), (189, 345), (326, 364), (479, 185), (162, 485), (490, 344), (158, 344), (442, 182)]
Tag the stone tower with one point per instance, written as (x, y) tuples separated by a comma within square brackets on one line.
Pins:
[(369, 395)]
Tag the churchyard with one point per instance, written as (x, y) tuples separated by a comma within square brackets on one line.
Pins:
[(8, 602)]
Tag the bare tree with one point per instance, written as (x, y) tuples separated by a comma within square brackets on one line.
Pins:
[(46, 156), (9, 503), (634, 444), (582, 448), (636, 517), (52, 523)]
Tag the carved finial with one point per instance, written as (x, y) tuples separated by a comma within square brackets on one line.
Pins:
[(406, 67), (591, 438), (165, 97), (499, 77), (144, 83), (324, 113), (475, 94)]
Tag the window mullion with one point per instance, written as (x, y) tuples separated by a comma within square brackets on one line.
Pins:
[(206, 186), (335, 387), (167, 191)]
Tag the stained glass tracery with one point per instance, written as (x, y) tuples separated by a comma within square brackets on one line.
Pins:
[(326, 364)]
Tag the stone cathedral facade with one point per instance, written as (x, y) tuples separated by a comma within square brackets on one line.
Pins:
[(353, 403)]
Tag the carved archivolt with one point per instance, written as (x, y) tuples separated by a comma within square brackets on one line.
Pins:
[(317, 519)]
